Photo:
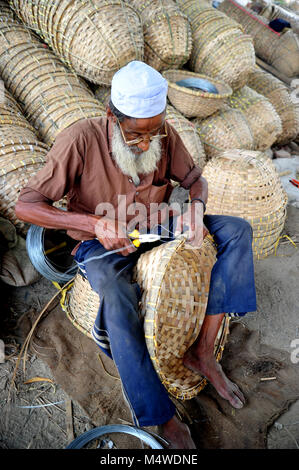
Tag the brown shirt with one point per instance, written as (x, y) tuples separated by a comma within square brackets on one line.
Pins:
[(80, 165)]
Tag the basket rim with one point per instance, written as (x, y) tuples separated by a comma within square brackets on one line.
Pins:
[(194, 93)]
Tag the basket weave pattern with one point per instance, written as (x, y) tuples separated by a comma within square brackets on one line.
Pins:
[(167, 33), (220, 47), (188, 133), (246, 184), (226, 129), (195, 103), (277, 93), (94, 38), (51, 96), (263, 120), (21, 156), (174, 280), (278, 49)]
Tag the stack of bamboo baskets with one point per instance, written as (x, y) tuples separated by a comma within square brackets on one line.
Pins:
[(281, 50), (21, 155), (51, 96), (94, 38), (220, 48), (167, 33), (246, 184)]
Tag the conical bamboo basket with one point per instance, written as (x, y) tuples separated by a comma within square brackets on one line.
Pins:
[(226, 129), (174, 279), (51, 96), (246, 184), (279, 96), (93, 38), (167, 33), (281, 50), (263, 120)]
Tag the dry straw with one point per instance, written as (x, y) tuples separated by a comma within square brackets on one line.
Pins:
[(195, 103), (278, 94), (94, 38), (51, 96), (188, 133), (246, 184), (263, 120), (226, 129), (174, 279), (167, 33), (220, 47), (281, 50)]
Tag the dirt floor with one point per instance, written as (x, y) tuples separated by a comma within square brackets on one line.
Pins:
[(26, 424)]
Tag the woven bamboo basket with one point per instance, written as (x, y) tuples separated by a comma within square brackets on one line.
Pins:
[(220, 47), (102, 93), (189, 135), (94, 38), (167, 33), (51, 96), (246, 184), (224, 130), (278, 94), (263, 120), (174, 280), (21, 156), (281, 50), (195, 103)]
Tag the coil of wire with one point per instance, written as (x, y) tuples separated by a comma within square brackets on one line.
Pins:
[(35, 243)]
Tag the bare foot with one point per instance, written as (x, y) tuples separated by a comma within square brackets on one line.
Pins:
[(208, 367), (177, 434)]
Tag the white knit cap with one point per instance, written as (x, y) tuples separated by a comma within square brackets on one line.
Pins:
[(138, 90)]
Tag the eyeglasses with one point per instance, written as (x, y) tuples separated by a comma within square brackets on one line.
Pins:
[(141, 139)]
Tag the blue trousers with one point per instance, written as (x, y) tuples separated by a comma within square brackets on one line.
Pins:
[(118, 329)]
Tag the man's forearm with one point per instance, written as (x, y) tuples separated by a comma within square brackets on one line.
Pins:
[(45, 215), (199, 189)]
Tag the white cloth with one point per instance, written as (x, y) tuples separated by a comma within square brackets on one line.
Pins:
[(138, 90)]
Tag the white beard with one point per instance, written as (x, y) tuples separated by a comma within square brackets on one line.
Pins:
[(132, 164)]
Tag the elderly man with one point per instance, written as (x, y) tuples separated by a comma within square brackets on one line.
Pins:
[(134, 153)]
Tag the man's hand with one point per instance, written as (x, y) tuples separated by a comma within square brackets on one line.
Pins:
[(192, 220), (112, 235)]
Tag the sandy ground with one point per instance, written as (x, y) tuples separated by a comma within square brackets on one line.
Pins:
[(277, 320)]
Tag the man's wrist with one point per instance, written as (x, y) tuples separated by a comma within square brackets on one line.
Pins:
[(199, 200)]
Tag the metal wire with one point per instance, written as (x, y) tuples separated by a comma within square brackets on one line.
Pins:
[(35, 249), (88, 436)]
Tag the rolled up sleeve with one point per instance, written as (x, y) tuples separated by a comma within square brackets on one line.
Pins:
[(63, 166), (181, 166)]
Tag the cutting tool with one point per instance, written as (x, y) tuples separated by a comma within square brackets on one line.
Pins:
[(138, 238)]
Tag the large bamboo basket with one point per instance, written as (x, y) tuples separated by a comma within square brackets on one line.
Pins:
[(21, 156), (51, 96), (195, 103), (174, 280), (94, 38), (281, 50), (188, 133), (224, 130), (246, 184), (278, 94), (220, 47), (263, 120), (167, 33)]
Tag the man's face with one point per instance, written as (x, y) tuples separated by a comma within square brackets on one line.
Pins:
[(141, 130)]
